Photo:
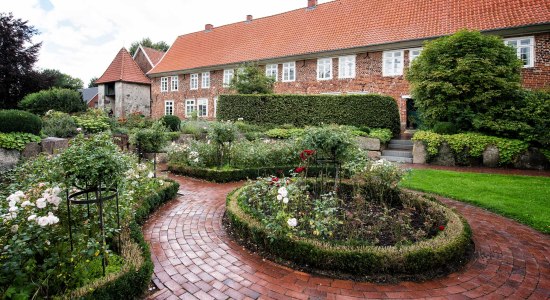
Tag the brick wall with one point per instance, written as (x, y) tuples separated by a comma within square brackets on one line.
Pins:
[(539, 76)]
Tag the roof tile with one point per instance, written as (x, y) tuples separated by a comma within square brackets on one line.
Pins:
[(123, 68)]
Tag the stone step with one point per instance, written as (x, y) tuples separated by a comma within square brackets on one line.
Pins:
[(399, 159), (400, 142), (398, 153), (400, 147)]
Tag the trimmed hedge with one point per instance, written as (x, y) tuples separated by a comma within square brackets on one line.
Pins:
[(65, 100), (222, 176), (448, 248), (171, 122), (13, 120), (300, 110)]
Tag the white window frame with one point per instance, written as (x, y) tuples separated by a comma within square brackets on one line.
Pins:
[(215, 106), (531, 47), (345, 72), (391, 55), (190, 103), (202, 102), (287, 68), (174, 83), (169, 105), (324, 68), (205, 80), (272, 70), (228, 76), (194, 81), (414, 56), (164, 84)]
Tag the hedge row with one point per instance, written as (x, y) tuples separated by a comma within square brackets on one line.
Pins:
[(447, 250), (222, 176), (375, 111), (13, 120), (132, 284)]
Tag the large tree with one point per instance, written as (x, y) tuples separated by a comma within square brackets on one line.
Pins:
[(92, 83), (146, 42), (61, 80), (18, 54), (251, 79)]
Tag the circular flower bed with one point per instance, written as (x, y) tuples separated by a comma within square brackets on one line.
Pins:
[(365, 226)]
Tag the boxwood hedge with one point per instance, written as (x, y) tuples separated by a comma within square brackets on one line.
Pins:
[(376, 111), (13, 120)]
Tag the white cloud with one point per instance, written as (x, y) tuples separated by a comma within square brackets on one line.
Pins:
[(81, 38)]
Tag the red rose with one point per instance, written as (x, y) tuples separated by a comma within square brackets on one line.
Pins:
[(275, 179), (306, 154), (441, 228), (299, 169)]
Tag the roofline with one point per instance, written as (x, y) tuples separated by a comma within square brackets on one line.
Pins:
[(145, 53), (413, 43), (125, 81), (163, 56), (88, 101)]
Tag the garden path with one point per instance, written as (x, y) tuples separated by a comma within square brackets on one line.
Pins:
[(195, 259)]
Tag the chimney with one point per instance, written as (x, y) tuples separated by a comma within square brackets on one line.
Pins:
[(248, 18), (208, 27), (311, 3)]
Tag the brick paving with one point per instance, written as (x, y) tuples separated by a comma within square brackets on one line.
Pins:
[(195, 259)]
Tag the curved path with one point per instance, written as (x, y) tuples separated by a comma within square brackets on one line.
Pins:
[(195, 259)]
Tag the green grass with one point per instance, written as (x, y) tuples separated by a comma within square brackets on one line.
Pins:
[(525, 199)]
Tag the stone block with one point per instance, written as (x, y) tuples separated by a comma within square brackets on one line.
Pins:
[(53, 145), (491, 156), (366, 143), (420, 154), (532, 159), (445, 157), (184, 138), (374, 154), (31, 150), (8, 159)]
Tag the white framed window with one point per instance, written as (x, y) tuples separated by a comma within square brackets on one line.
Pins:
[(272, 71), (324, 68), (174, 83), (164, 84), (168, 107), (194, 82), (189, 107), (215, 106), (392, 63), (228, 76), (346, 66), (202, 107), (414, 53), (525, 49), (205, 80), (289, 71)]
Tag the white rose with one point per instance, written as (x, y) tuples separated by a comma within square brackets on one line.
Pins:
[(56, 190), (13, 209), (292, 222), (26, 203), (54, 200), (283, 191), (41, 203), (14, 228), (42, 221), (279, 197), (285, 200), (150, 175), (52, 219), (31, 217)]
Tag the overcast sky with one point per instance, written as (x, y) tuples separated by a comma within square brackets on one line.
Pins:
[(81, 38)]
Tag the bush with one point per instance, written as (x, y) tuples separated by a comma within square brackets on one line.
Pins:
[(198, 129), (444, 128), (331, 142), (17, 140), (172, 122), (59, 124), (19, 121), (281, 133), (251, 79), (383, 134), (150, 140), (300, 110), (93, 121), (64, 100), (222, 134)]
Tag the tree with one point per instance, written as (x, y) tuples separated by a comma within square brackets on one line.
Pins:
[(146, 42), (251, 79), (462, 77), (61, 80), (18, 56), (92, 83)]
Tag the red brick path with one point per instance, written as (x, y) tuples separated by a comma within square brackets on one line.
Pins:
[(194, 258)]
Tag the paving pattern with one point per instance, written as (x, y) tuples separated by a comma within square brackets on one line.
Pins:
[(195, 259)]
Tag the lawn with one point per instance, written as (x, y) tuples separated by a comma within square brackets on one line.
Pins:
[(522, 198)]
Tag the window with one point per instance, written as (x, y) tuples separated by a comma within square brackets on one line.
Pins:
[(346, 66), (324, 68), (392, 63), (189, 107), (227, 77), (175, 83), (215, 106), (525, 49), (205, 80), (194, 82), (289, 71), (168, 107), (413, 54), (164, 84), (202, 105), (272, 71)]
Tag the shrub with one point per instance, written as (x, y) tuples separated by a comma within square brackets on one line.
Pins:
[(444, 128), (331, 142), (300, 110), (281, 133), (383, 134), (93, 121), (198, 129), (19, 121), (222, 134), (150, 140), (17, 140), (59, 124), (64, 100), (251, 79), (172, 122)]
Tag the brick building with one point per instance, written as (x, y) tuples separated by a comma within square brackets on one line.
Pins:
[(340, 47)]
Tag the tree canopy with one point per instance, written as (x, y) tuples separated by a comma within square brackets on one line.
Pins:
[(250, 79), (61, 80), (146, 42), (92, 83)]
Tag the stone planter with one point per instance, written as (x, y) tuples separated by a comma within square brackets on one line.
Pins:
[(491, 156), (445, 156), (53, 145), (420, 154), (8, 159), (532, 159), (368, 144)]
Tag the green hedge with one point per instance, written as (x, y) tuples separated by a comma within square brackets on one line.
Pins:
[(13, 120), (357, 110), (65, 100), (446, 251)]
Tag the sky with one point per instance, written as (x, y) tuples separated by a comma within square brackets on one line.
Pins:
[(81, 37)]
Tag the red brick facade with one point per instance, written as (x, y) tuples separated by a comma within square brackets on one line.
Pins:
[(538, 77)]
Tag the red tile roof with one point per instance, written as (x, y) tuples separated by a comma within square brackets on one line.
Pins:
[(123, 68), (154, 55), (343, 24)]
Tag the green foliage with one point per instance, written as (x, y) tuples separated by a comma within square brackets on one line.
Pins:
[(251, 79), (19, 121), (59, 124), (300, 110), (61, 80), (197, 128), (64, 100), (383, 134), (150, 140), (431, 139), (258, 154), (331, 142), (222, 134), (93, 121), (444, 128), (172, 122), (17, 140), (459, 78), (92, 81), (281, 133), (146, 42)]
